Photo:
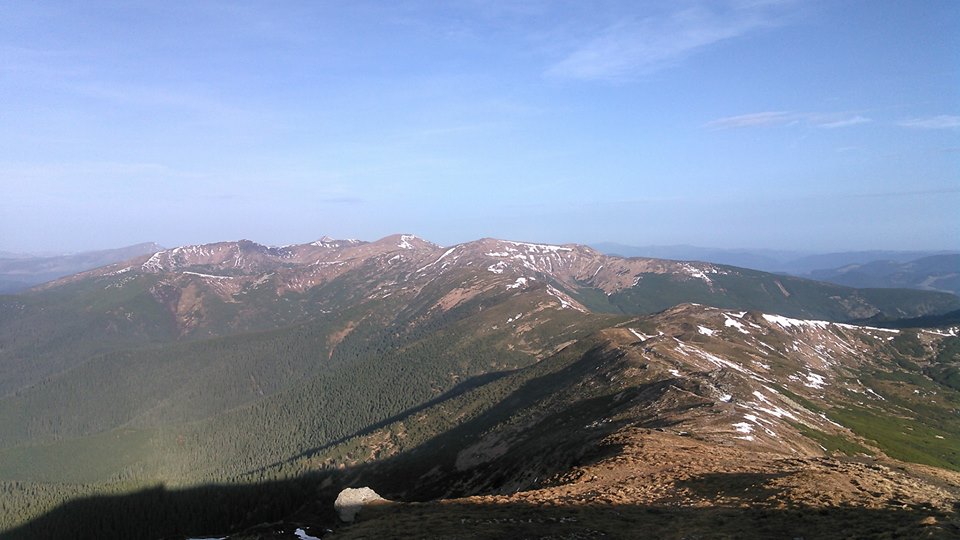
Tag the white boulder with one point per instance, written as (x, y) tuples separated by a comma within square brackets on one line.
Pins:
[(351, 500)]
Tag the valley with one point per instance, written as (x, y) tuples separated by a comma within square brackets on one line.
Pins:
[(485, 383)]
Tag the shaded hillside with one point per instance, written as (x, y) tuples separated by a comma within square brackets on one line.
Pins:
[(720, 417)]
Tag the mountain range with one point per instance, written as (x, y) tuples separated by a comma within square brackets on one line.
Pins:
[(522, 389)]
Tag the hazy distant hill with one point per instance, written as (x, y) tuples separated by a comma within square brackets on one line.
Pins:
[(767, 260), (934, 273), (925, 270), (19, 271)]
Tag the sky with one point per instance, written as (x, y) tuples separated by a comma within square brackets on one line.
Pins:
[(805, 125)]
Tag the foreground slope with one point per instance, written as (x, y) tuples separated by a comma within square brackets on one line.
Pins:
[(695, 421)]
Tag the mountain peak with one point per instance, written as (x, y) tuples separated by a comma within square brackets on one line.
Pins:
[(406, 241)]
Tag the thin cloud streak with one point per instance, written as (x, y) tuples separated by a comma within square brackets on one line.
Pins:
[(845, 122), (646, 45), (943, 121), (760, 119), (782, 118)]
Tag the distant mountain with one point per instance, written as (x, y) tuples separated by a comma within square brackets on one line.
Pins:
[(934, 273), (779, 261), (757, 259), (19, 272), (229, 288), (265, 378)]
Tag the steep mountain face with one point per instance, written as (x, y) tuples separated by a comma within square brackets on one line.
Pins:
[(218, 288), (283, 374), (746, 379)]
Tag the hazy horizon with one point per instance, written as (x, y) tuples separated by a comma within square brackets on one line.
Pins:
[(607, 247), (740, 124)]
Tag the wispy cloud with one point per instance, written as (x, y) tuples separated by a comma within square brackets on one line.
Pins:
[(782, 118), (760, 119), (643, 45), (942, 121), (845, 122)]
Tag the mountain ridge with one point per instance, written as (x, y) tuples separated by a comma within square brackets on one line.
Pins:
[(474, 370)]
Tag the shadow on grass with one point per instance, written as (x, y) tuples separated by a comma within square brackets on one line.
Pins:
[(263, 512)]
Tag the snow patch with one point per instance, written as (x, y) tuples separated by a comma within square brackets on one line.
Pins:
[(405, 241), (564, 299), (445, 253), (697, 273), (640, 335), (210, 276), (497, 268), (735, 324), (520, 282), (705, 331), (121, 271), (302, 535), (539, 248), (787, 322), (815, 381)]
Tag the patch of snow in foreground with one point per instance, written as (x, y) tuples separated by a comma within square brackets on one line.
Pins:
[(705, 331), (743, 427), (726, 398), (302, 534), (675, 373)]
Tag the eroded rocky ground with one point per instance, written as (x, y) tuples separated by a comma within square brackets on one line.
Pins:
[(662, 485)]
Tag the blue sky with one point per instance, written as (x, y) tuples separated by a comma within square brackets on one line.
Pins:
[(813, 125)]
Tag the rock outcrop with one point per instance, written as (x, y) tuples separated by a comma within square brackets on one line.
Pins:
[(351, 500)]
